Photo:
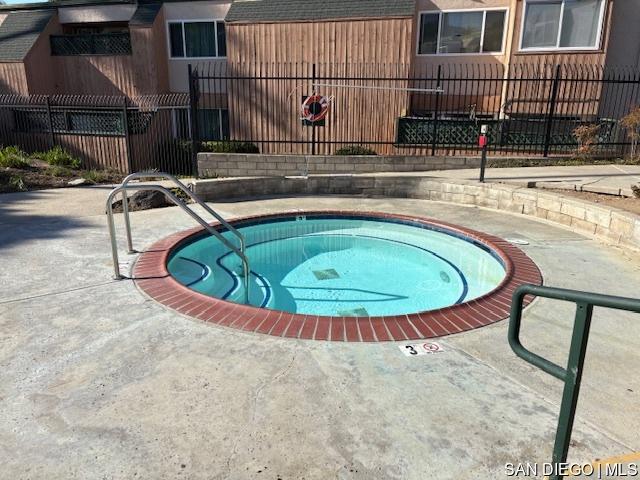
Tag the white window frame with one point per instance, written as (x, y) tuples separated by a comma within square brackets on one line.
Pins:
[(558, 48), (463, 10), (184, 38)]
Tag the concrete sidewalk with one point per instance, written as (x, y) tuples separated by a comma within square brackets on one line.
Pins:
[(609, 179)]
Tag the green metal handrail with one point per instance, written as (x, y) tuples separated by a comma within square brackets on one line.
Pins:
[(572, 375)]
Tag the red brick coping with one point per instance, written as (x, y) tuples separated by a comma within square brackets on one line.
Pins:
[(151, 276)]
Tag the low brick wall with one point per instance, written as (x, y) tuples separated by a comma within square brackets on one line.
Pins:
[(608, 224), (249, 165)]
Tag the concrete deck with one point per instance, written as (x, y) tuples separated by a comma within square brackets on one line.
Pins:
[(97, 381), (609, 179)]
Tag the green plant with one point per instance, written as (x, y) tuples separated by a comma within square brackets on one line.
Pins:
[(13, 157), (229, 146), (94, 176), (57, 171), (355, 150), (587, 136), (59, 157), (631, 123), (17, 183)]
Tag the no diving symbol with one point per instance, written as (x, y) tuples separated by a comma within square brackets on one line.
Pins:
[(421, 349)]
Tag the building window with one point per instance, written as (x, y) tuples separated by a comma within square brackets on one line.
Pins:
[(213, 124), (562, 24), (197, 39), (461, 32)]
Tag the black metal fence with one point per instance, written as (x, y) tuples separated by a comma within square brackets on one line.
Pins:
[(392, 109), (114, 132), (424, 110)]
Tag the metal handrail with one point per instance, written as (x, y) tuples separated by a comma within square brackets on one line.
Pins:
[(212, 231), (572, 375), (185, 189)]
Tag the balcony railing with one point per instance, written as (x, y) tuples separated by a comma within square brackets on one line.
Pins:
[(91, 44)]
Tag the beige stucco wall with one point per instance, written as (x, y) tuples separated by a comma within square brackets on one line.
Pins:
[(624, 39), (217, 10)]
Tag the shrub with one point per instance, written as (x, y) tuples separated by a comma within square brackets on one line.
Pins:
[(631, 123), (95, 176), (13, 157), (58, 171), (17, 183), (174, 155), (230, 146), (636, 190), (59, 157), (587, 136), (355, 150)]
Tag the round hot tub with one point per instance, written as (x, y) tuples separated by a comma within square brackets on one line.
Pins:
[(339, 265), (339, 268)]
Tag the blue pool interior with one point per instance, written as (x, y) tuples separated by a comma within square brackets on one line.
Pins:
[(342, 266)]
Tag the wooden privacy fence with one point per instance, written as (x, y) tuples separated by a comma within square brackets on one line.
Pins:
[(105, 132)]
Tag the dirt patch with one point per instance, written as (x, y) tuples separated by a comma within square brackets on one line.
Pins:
[(623, 203), (39, 176)]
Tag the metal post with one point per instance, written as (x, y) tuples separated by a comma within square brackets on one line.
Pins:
[(577, 352), (436, 113), (484, 143), (483, 163), (52, 139), (313, 124), (193, 113), (552, 109)]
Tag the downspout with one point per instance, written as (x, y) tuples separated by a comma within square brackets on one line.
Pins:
[(512, 17)]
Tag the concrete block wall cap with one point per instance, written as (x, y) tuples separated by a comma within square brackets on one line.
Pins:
[(610, 224)]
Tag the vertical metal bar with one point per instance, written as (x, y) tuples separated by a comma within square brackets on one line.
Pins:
[(52, 139), (193, 113), (436, 113), (575, 363), (125, 200), (552, 108), (127, 138), (313, 125)]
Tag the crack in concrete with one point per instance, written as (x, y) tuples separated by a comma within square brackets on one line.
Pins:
[(254, 408), (57, 292)]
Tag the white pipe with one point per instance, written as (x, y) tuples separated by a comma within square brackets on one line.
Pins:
[(338, 85)]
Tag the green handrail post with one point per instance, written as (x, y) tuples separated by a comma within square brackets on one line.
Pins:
[(572, 375)]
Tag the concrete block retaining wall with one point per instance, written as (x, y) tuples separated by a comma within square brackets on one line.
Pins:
[(608, 224), (247, 165)]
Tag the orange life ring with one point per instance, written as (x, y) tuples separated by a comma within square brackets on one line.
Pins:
[(315, 108)]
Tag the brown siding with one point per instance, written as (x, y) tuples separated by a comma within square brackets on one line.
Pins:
[(380, 41), (131, 75), (13, 78), (41, 74), (269, 109)]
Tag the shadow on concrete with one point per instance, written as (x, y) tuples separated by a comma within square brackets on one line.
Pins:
[(20, 223), (575, 177)]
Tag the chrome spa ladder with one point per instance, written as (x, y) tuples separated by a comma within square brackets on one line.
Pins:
[(125, 186)]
